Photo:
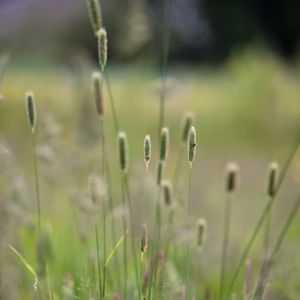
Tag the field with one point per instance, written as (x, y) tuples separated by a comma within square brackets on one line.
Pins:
[(246, 111)]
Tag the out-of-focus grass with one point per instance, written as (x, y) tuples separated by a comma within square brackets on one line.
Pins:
[(248, 111)]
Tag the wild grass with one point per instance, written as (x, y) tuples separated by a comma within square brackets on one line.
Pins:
[(147, 240)]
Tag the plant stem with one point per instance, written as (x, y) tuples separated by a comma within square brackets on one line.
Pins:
[(125, 242), (268, 263), (188, 283), (102, 142), (37, 190), (98, 261), (226, 234), (263, 216), (112, 102), (134, 248)]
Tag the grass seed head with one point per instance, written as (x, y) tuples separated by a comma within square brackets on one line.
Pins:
[(123, 151), (95, 14), (97, 91), (102, 47), (231, 177), (201, 232), (160, 171), (272, 179), (187, 123), (147, 150), (192, 144), (31, 110), (144, 239), (167, 192), (164, 144)]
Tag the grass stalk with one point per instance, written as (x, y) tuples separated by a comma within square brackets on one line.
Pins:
[(263, 216), (98, 261), (268, 263), (36, 176), (133, 245), (226, 234), (188, 251)]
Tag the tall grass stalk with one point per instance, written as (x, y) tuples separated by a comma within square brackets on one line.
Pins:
[(230, 187), (31, 116), (270, 260), (98, 261), (191, 151), (263, 216)]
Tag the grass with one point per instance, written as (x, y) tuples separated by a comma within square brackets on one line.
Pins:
[(235, 107)]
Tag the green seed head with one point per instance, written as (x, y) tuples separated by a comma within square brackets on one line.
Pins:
[(95, 14), (31, 110), (191, 144), (123, 151), (188, 121), (164, 144), (231, 177), (167, 192), (160, 171), (102, 47), (201, 233), (97, 91), (147, 150), (272, 179)]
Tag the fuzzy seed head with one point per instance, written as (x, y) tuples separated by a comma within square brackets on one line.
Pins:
[(167, 192), (164, 144), (160, 171), (272, 179), (144, 239), (97, 91), (187, 123), (201, 232), (147, 149), (231, 177), (95, 14), (102, 47), (123, 151), (31, 110), (191, 144)]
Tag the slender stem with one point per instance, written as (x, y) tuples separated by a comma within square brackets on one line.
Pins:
[(102, 143), (112, 102), (226, 234), (125, 243), (134, 248), (264, 214), (188, 262), (269, 261), (177, 170), (267, 233), (98, 261), (37, 190), (170, 226)]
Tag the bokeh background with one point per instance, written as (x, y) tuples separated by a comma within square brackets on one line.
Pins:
[(234, 63)]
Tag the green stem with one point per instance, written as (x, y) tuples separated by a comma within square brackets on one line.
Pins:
[(98, 261), (264, 214), (134, 248), (125, 243), (226, 234), (102, 142), (112, 102), (188, 283), (37, 190), (269, 261), (267, 233)]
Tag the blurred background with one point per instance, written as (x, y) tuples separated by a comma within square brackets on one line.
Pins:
[(235, 63)]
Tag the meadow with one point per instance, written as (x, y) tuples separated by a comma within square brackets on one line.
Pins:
[(101, 206)]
